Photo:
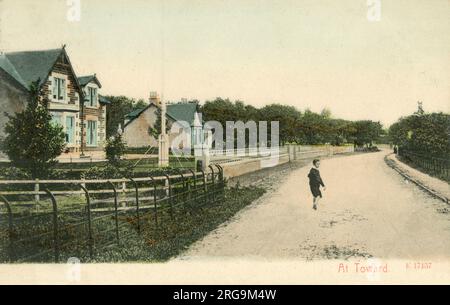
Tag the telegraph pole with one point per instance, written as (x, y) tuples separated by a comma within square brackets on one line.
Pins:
[(163, 143)]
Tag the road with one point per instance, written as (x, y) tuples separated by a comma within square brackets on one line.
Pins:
[(368, 210)]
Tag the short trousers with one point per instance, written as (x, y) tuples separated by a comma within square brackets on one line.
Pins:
[(315, 190)]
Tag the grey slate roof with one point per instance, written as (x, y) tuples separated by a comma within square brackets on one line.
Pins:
[(183, 111), (136, 113), (27, 67), (84, 80)]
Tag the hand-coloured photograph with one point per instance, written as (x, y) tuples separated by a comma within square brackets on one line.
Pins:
[(180, 142)]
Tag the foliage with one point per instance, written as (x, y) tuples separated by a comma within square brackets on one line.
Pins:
[(102, 172), (295, 127), (32, 141), (366, 132), (116, 111), (426, 133), (115, 149), (155, 131), (14, 173)]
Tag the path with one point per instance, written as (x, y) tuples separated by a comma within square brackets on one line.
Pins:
[(368, 210)]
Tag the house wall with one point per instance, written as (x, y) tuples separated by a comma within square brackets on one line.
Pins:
[(97, 113), (70, 106), (136, 134), (13, 98)]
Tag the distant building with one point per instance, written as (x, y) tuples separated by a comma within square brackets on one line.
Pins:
[(140, 125), (60, 89)]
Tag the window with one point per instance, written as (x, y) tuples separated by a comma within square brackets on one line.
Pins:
[(59, 89), (70, 129), (92, 97), (91, 133)]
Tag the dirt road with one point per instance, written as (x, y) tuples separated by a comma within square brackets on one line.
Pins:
[(368, 210)]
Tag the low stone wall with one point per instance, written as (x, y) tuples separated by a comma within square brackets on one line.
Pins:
[(293, 152), (242, 167)]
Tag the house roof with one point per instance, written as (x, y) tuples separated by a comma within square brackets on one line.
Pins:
[(29, 66), (183, 111), (176, 112), (84, 80)]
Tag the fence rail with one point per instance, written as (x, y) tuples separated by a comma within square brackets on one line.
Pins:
[(83, 218)]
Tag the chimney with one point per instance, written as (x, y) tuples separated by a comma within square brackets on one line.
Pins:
[(154, 98)]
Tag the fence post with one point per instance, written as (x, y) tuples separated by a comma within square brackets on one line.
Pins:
[(55, 225), (222, 182), (137, 205), (116, 212), (10, 228), (170, 195), (289, 151), (184, 186), (154, 199), (36, 190), (205, 190), (194, 178), (88, 206), (213, 184)]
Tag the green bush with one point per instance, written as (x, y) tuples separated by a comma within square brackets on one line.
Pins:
[(14, 173), (103, 172), (115, 149)]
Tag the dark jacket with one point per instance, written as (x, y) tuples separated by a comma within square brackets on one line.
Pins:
[(314, 177)]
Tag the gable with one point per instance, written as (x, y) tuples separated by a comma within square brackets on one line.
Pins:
[(28, 67), (182, 111), (138, 113), (85, 80)]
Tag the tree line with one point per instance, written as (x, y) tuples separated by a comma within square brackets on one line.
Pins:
[(307, 127), (424, 133)]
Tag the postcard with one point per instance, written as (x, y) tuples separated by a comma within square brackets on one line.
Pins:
[(224, 142)]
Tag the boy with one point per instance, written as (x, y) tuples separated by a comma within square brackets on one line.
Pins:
[(315, 181)]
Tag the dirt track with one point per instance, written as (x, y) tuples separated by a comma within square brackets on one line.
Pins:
[(368, 210)]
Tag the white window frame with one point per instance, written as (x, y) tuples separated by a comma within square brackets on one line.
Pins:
[(58, 97), (88, 135), (90, 103), (74, 133)]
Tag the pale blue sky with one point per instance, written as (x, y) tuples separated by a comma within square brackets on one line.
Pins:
[(306, 53)]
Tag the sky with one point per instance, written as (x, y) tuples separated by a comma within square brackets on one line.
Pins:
[(307, 53)]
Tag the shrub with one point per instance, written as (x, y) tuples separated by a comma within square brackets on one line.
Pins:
[(115, 149), (102, 172), (32, 141), (14, 173)]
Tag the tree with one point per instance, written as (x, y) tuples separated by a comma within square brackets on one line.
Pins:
[(116, 111), (288, 118), (423, 133), (32, 141), (155, 131), (115, 149), (366, 132)]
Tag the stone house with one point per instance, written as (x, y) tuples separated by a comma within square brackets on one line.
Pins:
[(140, 125), (60, 89)]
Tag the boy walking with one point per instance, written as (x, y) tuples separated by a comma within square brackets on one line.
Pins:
[(315, 181)]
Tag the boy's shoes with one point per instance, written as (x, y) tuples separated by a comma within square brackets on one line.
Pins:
[(315, 207)]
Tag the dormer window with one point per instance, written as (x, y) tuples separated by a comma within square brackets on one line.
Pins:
[(91, 97)]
